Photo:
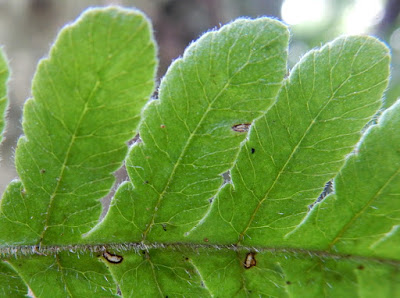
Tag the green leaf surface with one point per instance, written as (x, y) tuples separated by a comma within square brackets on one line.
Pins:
[(225, 79), (226, 174), (277, 274), (300, 143), (65, 275), (158, 273), (4, 73), (11, 285), (363, 216), (207, 271), (87, 99)]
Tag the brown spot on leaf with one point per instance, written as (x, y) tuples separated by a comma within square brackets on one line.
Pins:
[(42, 171), (250, 260), (162, 126), (115, 259), (205, 239), (288, 282), (361, 267), (243, 127)]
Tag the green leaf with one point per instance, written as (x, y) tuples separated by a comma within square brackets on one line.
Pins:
[(363, 216), (193, 132), (11, 285), (276, 274), (226, 193), (158, 273), (65, 275), (300, 143), (87, 99), (4, 73)]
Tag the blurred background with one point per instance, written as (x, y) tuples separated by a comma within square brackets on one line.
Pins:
[(28, 27)]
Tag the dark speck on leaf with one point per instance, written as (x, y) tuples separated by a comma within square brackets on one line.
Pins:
[(288, 282), (360, 267), (42, 171), (253, 150), (164, 227)]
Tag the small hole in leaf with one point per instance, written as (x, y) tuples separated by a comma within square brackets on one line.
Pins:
[(250, 260), (112, 258), (243, 127)]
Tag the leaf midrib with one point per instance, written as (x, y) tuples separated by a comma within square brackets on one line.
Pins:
[(50, 250)]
